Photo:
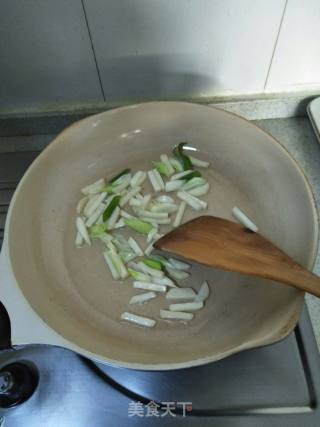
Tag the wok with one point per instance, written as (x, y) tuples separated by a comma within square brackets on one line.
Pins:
[(59, 295)]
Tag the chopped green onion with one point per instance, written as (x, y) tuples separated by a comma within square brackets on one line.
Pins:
[(113, 269), (138, 225), (199, 191), (107, 189), (127, 256), (193, 183), (96, 230), (117, 186), (183, 159), (173, 185), (105, 237), (161, 168), (152, 263), (199, 163), (165, 159), (176, 164), (117, 262), (116, 177), (137, 275), (121, 242), (162, 260), (159, 258), (111, 207), (191, 175)]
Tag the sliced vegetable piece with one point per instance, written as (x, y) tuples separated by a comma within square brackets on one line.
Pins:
[(91, 201), (146, 200), (121, 184), (192, 201), (94, 218), (138, 320), (149, 270), (186, 306), (176, 164), (142, 298), (165, 199), (136, 267), (153, 181), (140, 277), (183, 158), (138, 179), (164, 207), (126, 197), (117, 186), (81, 227), (153, 215), (241, 217), (119, 224), (127, 256), (135, 247), (181, 175), (165, 159), (113, 218), (199, 191), (95, 204), (203, 292), (165, 263), (177, 274), (148, 249), (79, 240), (94, 188), (142, 227), (111, 207), (193, 183), (117, 262), (173, 185), (97, 230), (199, 163), (151, 235), (157, 220), (158, 178), (135, 202), (119, 175), (113, 269), (181, 293), (81, 204), (150, 286), (191, 175), (175, 315), (161, 168), (112, 247), (164, 281), (180, 213), (105, 237), (152, 263), (125, 214)]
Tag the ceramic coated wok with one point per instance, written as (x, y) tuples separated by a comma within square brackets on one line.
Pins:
[(56, 294)]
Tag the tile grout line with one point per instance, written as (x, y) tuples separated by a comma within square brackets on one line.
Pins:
[(93, 50), (275, 45)]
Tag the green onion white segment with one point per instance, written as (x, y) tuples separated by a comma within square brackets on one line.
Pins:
[(108, 208)]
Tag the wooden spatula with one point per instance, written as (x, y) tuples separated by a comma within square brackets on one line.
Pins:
[(222, 244)]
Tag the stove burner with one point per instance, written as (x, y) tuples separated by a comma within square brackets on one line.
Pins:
[(18, 381)]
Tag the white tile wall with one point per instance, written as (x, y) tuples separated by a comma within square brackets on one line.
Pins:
[(296, 62), (153, 48), (45, 54)]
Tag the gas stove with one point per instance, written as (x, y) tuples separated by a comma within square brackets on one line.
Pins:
[(277, 385)]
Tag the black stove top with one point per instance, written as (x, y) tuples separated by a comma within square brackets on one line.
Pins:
[(278, 385)]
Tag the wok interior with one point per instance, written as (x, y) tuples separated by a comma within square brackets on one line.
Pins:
[(71, 289)]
